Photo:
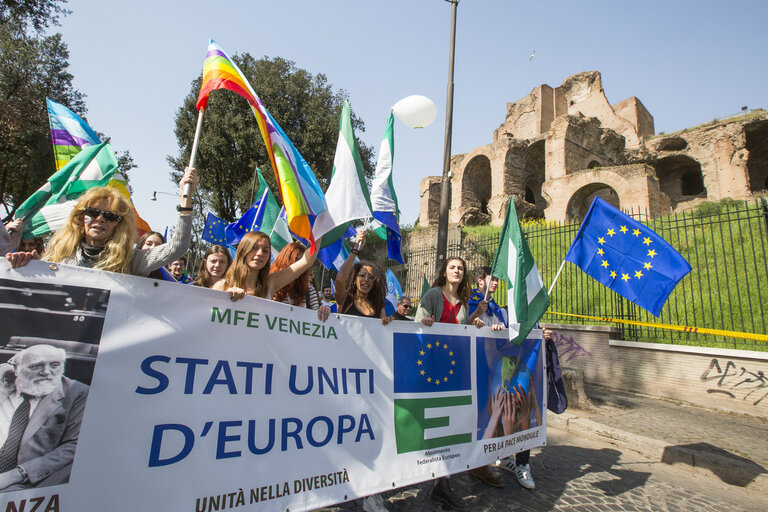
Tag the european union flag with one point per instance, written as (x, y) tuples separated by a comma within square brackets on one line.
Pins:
[(426, 363), (213, 231), (627, 257), (250, 221)]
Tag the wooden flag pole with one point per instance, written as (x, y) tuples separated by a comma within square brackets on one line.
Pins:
[(188, 187)]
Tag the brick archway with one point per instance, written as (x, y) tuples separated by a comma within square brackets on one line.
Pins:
[(475, 191), (579, 203), (631, 188)]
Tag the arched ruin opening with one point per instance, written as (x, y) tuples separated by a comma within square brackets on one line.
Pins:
[(476, 191), (580, 201), (756, 135), (593, 164), (672, 144), (680, 178), (524, 176)]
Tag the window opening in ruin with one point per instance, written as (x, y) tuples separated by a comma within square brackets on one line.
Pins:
[(692, 183), (529, 197), (756, 142), (680, 178), (593, 164), (673, 144)]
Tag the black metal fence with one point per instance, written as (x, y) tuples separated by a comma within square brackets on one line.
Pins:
[(726, 244)]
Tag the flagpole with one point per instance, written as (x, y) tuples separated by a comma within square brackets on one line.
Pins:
[(556, 276), (188, 186)]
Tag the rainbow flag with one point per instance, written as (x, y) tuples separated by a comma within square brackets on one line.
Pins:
[(69, 133), (301, 193)]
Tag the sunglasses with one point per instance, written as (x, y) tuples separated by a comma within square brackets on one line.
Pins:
[(107, 216), (406, 306)]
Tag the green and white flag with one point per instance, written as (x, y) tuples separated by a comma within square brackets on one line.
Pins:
[(527, 298), (279, 234), (47, 209), (347, 197)]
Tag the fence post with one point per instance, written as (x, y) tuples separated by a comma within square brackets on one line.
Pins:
[(765, 214)]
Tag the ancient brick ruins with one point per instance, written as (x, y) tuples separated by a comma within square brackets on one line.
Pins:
[(558, 148)]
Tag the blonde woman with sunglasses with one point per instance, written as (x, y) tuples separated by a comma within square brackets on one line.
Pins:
[(100, 233)]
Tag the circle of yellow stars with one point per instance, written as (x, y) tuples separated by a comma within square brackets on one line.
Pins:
[(436, 379), (635, 232), (210, 230)]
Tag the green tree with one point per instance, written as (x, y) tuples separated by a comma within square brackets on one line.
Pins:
[(231, 147), (33, 67), (39, 14)]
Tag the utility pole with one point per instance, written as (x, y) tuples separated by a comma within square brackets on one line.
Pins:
[(445, 191)]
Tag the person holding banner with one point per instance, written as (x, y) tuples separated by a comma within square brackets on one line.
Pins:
[(446, 302), (10, 236), (214, 265), (493, 315), (100, 232), (249, 273), (300, 292), (360, 291), (361, 287)]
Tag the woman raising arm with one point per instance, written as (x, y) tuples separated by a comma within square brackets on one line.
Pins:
[(249, 272), (361, 287)]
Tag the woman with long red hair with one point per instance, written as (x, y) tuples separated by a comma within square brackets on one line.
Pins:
[(300, 292)]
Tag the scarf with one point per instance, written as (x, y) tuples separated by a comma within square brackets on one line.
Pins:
[(89, 254)]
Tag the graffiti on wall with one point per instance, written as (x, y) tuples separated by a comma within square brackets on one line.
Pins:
[(567, 347), (736, 381)]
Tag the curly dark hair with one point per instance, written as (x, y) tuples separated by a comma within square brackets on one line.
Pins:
[(379, 289)]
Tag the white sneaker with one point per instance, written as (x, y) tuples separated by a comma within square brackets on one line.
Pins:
[(374, 503), (523, 474)]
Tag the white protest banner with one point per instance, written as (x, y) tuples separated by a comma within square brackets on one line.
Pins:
[(176, 398)]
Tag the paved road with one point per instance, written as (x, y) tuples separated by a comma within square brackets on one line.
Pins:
[(582, 475)]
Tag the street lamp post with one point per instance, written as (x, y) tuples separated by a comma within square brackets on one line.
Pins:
[(445, 191)]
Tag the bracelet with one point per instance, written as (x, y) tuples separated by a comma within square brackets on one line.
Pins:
[(183, 208), (354, 251)]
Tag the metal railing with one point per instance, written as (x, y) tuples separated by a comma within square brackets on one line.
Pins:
[(726, 244)]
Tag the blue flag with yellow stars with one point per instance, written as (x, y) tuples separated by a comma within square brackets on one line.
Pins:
[(428, 363), (627, 257), (213, 231), (250, 221)]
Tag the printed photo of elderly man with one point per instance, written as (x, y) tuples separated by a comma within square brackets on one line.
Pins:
[(40, 415)]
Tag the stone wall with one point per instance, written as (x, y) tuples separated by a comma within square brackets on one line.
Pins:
[(539, 156), (723, 379)]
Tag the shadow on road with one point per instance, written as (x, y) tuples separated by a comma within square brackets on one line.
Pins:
[(730, 468)]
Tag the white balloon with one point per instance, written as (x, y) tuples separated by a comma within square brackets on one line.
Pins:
[(415, 111)]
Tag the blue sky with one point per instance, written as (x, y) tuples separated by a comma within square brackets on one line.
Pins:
[(688, 62)]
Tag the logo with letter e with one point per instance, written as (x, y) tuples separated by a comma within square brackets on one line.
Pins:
[(433, 400)]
